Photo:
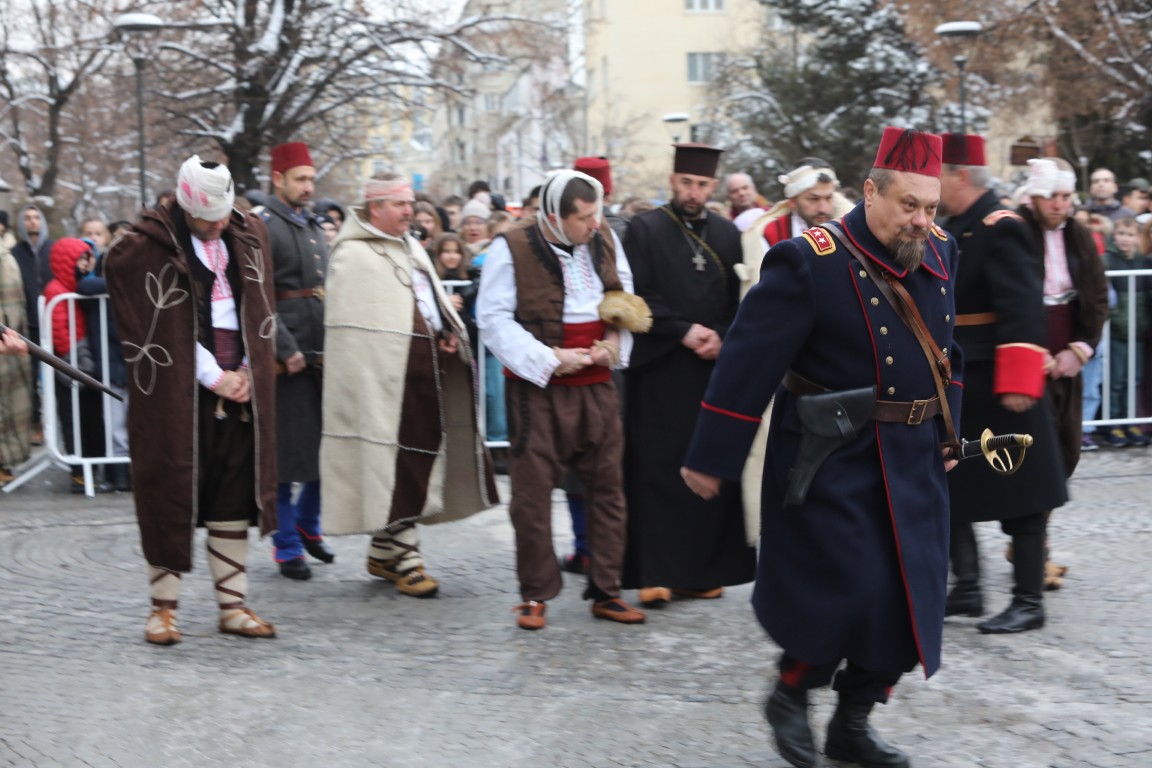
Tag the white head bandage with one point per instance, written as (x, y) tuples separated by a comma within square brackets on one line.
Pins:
[(1045, 177), (391, 189), (804, 178), (550, 195), (205, 192)]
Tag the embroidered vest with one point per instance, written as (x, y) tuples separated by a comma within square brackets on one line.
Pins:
[(540, 279)]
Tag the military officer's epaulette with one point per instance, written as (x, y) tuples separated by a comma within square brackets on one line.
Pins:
[(939, 233), (821, 242), (996, 216)]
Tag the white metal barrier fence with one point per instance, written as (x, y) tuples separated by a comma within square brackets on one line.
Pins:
[(54, 443)]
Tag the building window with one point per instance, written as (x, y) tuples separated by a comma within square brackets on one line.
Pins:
[(491, 102), (713, 6), (702, 67)]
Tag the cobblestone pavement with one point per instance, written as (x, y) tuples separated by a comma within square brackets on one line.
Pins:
[(362, 676)]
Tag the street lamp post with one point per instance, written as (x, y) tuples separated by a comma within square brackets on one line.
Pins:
[(134, 28), (675, 122), (960, 29)]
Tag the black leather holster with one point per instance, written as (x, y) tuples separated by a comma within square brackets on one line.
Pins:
[(828, 420)]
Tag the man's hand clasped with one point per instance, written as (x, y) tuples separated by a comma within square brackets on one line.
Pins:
[(702, 340), (235, 386), (704, 486), (572, 360), (295, 363)]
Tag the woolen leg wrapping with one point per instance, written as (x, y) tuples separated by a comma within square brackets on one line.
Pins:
[(227, 560), (165, 586)]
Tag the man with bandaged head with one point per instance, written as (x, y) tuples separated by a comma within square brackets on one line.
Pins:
[(191, 288), (401, 443)]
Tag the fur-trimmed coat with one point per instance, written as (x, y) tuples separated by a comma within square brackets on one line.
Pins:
[(155, 302), (401, 439)]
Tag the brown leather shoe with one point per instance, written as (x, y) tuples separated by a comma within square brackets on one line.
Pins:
[(414, 582), (616, 609), (654, 597), (700, 594), (531, 615)]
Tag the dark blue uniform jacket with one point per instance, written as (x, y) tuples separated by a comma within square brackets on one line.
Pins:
[(859, 570)]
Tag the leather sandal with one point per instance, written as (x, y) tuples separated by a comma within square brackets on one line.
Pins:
[(700, 594), (243, 622), (531, 615), (161, 628), (615, 609), (414, 582), (654, 597)]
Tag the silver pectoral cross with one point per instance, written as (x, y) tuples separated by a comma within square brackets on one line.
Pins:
[(699, 261)]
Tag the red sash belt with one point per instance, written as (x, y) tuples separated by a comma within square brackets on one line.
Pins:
[(579, 335)]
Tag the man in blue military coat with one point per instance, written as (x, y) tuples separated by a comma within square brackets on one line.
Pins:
[(856, 570)]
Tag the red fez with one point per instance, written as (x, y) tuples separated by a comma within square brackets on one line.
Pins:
[(696, 159), (598, 168), (963, 149), (291, 155), (903, 149)]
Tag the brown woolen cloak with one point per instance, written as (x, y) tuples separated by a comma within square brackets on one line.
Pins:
[(154, 300)]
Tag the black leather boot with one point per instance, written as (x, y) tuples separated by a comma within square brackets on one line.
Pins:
[(851, 738), (965, 599), (1026, 611), (787, 713)]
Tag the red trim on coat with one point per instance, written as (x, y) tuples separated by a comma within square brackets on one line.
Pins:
[(779, 228), (942, 274), (732, 414), (884, 474)]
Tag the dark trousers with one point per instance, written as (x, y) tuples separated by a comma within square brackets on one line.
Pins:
[(577, 427), (227, 461), (853, 682)]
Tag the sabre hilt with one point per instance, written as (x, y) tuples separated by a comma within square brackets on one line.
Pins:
[(995, 448)]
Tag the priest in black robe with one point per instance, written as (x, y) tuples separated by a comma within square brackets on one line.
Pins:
[(683, 260)]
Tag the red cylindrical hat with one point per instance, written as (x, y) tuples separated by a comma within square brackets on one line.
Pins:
[(903, 149), (963, 149), (291, 155), (598, 168)]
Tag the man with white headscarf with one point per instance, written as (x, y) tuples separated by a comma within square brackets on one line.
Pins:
[(191, 288), (1075, 291), (556, 307), (400, 442), (1076, 306), (812, 197)]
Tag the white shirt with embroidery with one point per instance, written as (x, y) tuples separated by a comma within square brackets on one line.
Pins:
[(214, 255), (514, 345)]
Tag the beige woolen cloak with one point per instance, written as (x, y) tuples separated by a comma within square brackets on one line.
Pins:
[(400, 438)]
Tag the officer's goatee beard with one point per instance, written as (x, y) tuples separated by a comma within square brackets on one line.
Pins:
[(908, 251)]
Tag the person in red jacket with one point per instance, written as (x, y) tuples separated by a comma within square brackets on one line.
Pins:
[(70, 259)]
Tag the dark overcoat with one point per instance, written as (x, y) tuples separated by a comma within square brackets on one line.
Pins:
[(859, 570), (1089, 313), (675, 538), (299, 262), (156, 303), (1003, 331)]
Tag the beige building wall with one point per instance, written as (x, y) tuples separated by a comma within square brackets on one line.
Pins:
[(637, 70)]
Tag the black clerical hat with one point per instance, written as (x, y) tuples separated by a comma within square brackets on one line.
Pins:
[(696, 159)]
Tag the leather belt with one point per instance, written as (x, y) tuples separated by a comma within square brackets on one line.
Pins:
[(977, 318), (910, 412), (303, 293), (316, 362)]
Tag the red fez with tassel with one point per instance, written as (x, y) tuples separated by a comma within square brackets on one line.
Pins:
[(903, 149), (963, 149), (598, 168)]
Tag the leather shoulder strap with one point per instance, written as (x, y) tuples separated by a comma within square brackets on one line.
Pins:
[(905, 306)]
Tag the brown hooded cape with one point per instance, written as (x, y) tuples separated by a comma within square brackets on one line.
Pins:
[(155, 303)]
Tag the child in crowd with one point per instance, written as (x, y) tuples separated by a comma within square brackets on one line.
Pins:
[(1128, 326)]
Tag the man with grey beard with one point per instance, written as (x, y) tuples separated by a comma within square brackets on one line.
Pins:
[(854, 505)]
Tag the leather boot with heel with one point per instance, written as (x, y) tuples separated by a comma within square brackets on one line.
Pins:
[(1026, 610), (851, 739), (965, 599), (787, 713)]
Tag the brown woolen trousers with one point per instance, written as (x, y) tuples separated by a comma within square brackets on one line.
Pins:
[(550, 429)]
